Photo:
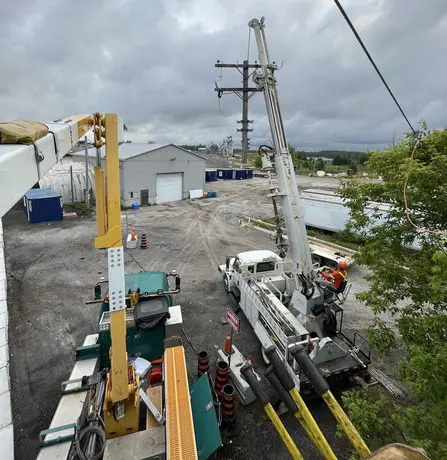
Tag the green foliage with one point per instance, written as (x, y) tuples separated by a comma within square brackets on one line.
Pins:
[(79, 208), (257, 162), (319, 165), (408, 286), (375, 416), (341, 160)]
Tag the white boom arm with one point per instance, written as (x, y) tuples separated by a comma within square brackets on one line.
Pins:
[(288, 190), (21, 166)]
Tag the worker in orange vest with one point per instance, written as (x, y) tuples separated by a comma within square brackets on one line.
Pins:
[(337, 278)]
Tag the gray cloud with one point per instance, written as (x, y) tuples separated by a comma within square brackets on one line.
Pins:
[(153, 63)]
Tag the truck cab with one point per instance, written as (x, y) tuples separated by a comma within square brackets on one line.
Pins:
[(260, 265)]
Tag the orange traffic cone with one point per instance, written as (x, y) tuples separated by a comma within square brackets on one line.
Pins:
[(228, 346), (133, 234)]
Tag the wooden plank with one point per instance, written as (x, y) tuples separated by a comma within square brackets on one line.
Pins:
[(155, 395)]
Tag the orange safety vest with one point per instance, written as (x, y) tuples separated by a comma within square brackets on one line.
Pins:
[(338, 277)]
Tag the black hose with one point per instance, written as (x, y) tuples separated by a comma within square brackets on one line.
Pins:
[(101, 436)]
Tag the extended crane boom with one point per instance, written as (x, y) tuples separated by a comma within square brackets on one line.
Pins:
[(288, 190)]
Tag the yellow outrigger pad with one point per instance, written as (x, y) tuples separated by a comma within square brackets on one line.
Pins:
[(22, 132), (181, 441)]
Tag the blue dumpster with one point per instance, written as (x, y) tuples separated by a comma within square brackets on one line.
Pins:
[(43, 205)]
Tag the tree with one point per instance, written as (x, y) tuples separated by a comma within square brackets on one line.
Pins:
[(410, 286), (319, 164), (341, 160)]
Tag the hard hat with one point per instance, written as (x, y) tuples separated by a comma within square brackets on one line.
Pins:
[(342, 265)]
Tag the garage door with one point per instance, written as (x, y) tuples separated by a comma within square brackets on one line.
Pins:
[(169, 187)]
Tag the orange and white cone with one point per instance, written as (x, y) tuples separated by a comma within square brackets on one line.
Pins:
[(228, 346)]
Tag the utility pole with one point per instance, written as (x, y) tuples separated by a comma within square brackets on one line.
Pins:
[(244, 93)]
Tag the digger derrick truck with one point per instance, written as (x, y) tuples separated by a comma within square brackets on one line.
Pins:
[(285, 301)]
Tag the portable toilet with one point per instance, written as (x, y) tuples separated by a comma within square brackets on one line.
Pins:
[(42, 205), (210, 175)]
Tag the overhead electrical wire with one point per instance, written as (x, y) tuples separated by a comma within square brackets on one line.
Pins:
[(379, 73), (415, 133)]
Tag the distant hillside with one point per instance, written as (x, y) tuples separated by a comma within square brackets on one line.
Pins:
[(333, 153)]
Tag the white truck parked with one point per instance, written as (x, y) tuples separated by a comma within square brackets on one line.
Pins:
[(287, 303)]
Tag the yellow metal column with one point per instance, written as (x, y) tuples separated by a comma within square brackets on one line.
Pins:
[(101, 213), (121, 404), (112, 237)]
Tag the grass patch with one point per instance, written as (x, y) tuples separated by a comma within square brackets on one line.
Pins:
[(79, 208)]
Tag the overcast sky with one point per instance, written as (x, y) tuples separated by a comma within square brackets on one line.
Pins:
[(152, 62)]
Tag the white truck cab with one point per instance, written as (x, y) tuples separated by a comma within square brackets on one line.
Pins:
[(259, 264)]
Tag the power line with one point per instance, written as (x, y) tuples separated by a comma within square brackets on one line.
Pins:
[(354, 31)]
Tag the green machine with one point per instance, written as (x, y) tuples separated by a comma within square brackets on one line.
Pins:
[(145, 318)]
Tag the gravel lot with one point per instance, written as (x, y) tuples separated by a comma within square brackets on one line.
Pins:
[(53, 267)]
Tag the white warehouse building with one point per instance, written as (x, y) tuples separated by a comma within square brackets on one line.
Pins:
[(154, 173)]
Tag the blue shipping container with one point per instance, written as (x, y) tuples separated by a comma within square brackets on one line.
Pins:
[(225, 174), (240, 174), (43, 205), (210, 175)]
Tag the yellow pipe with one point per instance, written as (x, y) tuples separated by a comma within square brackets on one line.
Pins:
[(311, 427), (347, 426), (285, 436)]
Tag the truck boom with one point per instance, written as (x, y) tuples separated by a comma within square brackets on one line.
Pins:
[(288, 190)]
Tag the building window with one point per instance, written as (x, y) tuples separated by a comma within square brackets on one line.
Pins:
[(131, 194), (265, 267)]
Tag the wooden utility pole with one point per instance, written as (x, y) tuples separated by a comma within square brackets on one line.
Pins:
[(245, 93)]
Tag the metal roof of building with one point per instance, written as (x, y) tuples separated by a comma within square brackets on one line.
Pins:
[(129, 150)]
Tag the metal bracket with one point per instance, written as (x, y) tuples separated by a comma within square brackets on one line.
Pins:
[(76, 389), (87, 351), (59, 439), (150, 405), (115, 261)]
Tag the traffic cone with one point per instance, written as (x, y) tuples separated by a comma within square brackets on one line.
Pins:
[(228, 346), (143, 244), (222, 374), (203, 363), (228, 403)]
